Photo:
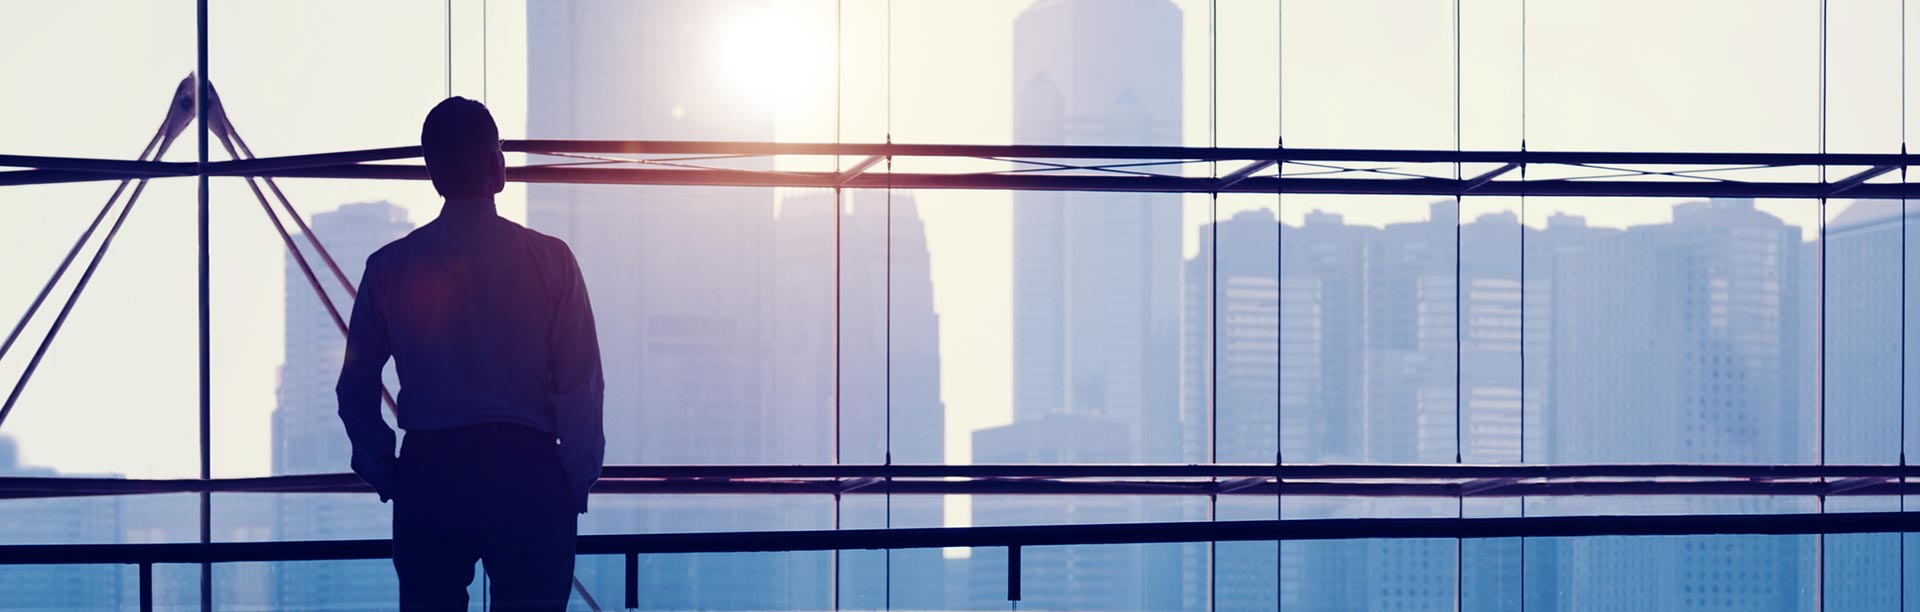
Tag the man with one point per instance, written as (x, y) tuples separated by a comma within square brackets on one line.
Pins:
[(490, 330)]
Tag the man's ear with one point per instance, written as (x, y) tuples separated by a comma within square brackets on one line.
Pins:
[(499, 174)]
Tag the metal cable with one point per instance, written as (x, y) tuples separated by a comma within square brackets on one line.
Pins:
[(79, 287), (61, 270)]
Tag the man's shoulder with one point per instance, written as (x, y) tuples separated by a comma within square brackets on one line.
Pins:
[(549, 245), (395, 247)]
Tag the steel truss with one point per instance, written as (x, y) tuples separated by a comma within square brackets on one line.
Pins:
[(1162, 169), (1166, 169)]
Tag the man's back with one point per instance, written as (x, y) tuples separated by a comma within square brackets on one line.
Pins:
[(469, 306), (487, 322), (489, 326)]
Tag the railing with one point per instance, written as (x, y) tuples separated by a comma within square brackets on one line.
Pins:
[(1013, 538), (1206, 480)]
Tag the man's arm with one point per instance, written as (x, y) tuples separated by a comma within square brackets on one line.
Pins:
[(577, 389), (359, 388)]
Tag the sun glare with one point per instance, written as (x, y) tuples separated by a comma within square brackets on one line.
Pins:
[(775, 56)]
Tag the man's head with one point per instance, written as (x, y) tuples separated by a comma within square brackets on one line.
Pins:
[(462, 147)]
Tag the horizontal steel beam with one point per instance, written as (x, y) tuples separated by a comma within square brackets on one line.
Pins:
[(358, 165), (1122, 488), (899, 150), (1376, 480), (1023, 535), (131, 168), (1265, 185)]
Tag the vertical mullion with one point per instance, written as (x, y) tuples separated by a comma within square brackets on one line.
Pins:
[(201, 92)]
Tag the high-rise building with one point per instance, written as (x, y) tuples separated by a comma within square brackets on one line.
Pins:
[(1322, 290), (716, 315), (679, 281), (1866, 279), (1230, 330), (1230, 342), (1096, 275), (1679, 342), (890, 409), (1410, 329), (1096, 299), (307, 435), (1366, 374), (73, 520)]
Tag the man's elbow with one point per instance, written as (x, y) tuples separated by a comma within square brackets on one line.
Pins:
[(347, 395)]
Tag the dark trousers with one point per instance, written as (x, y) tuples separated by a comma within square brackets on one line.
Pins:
[(493, 494)]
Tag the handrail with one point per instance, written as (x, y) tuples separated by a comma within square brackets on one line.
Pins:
[(1343, 480), (1011, 537)]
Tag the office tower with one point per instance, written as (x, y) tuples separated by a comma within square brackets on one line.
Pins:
[(684, 290), (1686, 338), (1229, 341), (1409, 336), (1367, 375), (1491, 335), (1096, 275), (307, 435), (1229, 347), (889, 343), (1096, 298), (1680, 342), (1864, 286), (74, 520), (1867, 281), (1322, 293), (1068, 577)]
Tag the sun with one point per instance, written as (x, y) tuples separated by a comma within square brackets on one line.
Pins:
[(775, 56)]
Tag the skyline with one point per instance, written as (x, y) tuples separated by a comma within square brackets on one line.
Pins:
[(1035, 327), (266, 88)]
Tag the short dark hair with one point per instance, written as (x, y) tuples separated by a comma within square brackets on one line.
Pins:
[(461, 144)]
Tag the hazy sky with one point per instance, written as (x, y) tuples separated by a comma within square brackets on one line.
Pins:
[(92, 78)]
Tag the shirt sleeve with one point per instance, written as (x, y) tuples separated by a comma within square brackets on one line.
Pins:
[(359, 389), (576, 387)]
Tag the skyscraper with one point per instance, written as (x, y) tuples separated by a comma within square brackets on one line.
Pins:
[(1096, 298), (890, 409), (678, 278), (1096, 275), (1868, 246), (716, 313), (307, 436), (88, 520), (1682, 342)]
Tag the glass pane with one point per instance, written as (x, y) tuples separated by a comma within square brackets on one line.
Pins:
[(1372, 74), (1092, 577), (1679, 332), (1231, 350), (116, 393), (1367, 328), (93, 520), (716, 581), (1669, 90), (110, 69)]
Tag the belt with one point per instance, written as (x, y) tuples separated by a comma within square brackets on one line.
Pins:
[(481, 428)]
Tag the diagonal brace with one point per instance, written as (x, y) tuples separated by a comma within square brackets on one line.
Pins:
[(1856, 180), (1234, 178), (858, 169), (1487, 177)]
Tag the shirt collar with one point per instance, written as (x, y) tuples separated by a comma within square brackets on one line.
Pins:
[(463, 209)]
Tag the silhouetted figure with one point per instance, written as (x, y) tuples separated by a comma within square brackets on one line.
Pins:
[(500, 386)]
